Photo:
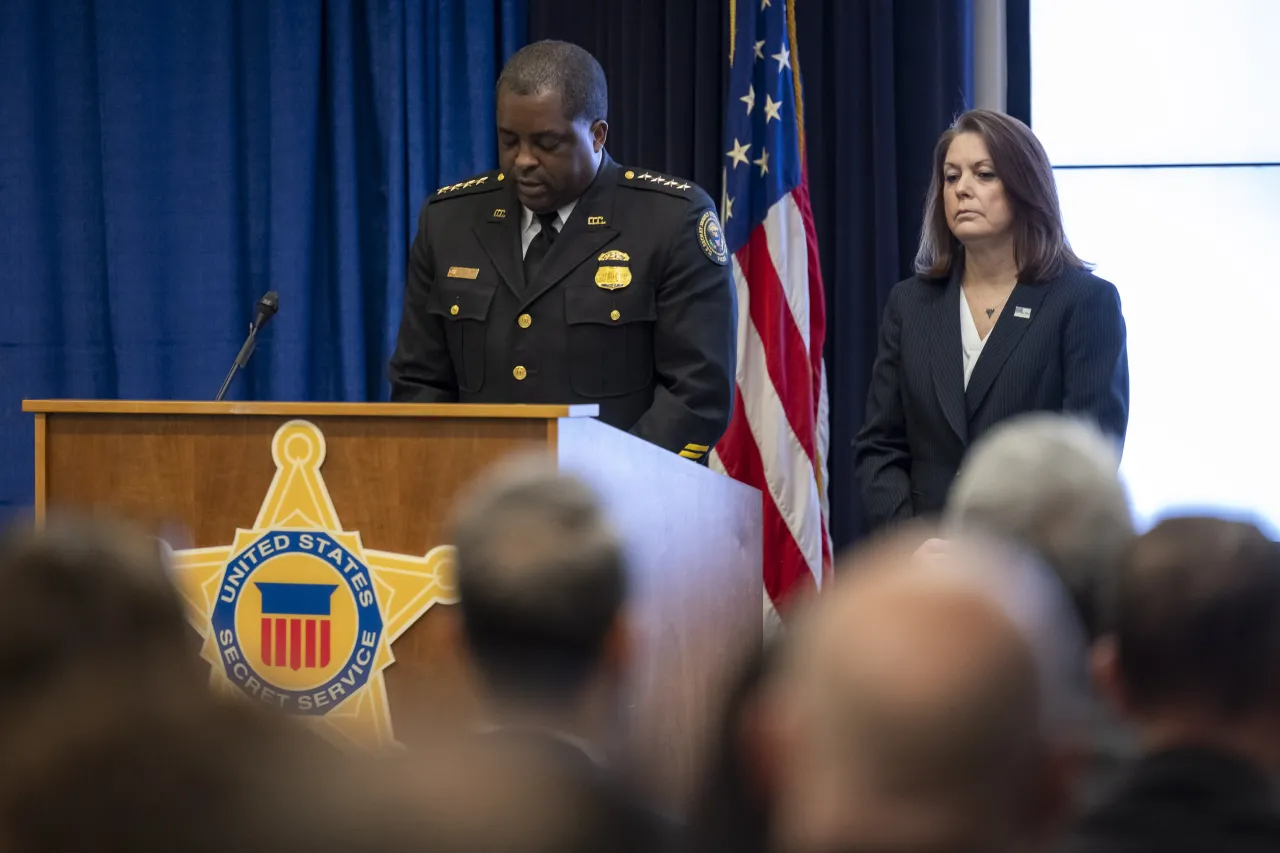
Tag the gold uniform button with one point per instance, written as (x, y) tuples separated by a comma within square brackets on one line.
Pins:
[(519, 372), (501, 176), (525, 321), (630, 174), (614, 314), (453, 310)]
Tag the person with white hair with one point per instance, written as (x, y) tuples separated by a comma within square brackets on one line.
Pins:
[(1050, 483)]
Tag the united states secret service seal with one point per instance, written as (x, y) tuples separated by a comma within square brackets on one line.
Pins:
[(711, 238), (297, 613), (297, 616)]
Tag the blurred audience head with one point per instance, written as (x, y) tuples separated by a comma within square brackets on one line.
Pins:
[(993, 184), (90, 765), (110, 739), (1195, 653), (87, 594), (730, 810), (146, 772), (111, 742), (542, 585), (1051, 483), (926, 704)]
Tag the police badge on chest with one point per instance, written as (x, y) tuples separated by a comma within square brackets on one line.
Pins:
[(613, 272)]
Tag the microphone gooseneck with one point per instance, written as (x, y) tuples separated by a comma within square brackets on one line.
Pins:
[(267, 307)]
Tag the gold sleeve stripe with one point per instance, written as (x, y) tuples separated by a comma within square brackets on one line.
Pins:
[(699, 447), (689, 454)]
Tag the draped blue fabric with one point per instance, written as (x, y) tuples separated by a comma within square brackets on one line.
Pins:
[(165, 162)]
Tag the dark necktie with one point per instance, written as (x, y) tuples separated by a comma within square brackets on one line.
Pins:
[(539, 247)]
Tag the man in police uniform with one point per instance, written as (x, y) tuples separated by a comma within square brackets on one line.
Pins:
[(566, 278)]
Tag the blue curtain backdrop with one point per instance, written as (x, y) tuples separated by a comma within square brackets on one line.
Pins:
[(165, 162)]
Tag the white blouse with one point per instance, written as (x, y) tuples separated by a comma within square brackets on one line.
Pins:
[(970, 341)]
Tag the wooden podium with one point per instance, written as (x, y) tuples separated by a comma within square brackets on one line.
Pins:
[(392, 471)]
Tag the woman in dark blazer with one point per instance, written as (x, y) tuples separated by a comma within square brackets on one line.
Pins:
[(1001, 318)]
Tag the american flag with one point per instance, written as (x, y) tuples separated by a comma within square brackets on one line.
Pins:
[(777, 440)]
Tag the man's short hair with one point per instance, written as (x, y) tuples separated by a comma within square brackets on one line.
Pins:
[(541, 578), (1198, 618), (1050, 483), (87, 594), (558, 66)]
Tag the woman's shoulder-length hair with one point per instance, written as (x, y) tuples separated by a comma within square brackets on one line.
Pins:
[(1041, 249)]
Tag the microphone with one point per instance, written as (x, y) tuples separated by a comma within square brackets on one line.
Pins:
[(268, 305)]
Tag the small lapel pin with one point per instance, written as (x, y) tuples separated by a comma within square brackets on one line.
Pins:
[(1022, 313)]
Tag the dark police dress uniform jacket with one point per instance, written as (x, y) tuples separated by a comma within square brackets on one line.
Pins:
[(633, 307)]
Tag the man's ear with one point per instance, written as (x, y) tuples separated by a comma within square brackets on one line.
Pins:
[(599, 132)]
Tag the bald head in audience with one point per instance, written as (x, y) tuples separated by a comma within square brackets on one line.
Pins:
[(910, 710)]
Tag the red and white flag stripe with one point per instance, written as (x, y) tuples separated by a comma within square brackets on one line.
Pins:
[(778, 439)]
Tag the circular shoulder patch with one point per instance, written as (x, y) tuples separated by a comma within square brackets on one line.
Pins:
[(711, 238)]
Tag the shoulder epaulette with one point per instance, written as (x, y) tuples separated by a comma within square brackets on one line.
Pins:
[(646, 180), (480, 183)]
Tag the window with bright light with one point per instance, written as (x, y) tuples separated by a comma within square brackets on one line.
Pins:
[(1162, 118)]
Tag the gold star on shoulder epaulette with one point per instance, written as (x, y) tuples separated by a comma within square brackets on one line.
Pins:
[(653, 181), (297, 613), (480, 183)]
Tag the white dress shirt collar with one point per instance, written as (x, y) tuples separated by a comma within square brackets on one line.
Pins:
[(528, 220), (530, 226)]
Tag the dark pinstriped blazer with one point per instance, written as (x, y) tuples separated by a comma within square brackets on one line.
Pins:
[(1058, 345)]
